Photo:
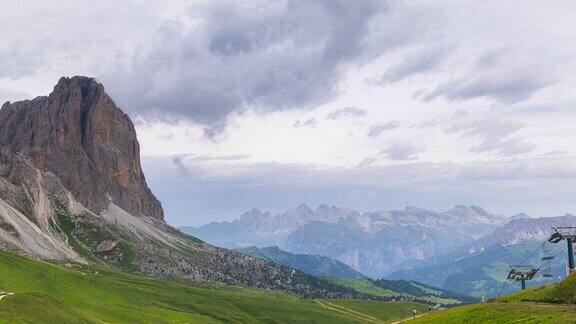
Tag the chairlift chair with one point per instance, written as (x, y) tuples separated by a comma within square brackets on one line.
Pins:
[(522, 274)]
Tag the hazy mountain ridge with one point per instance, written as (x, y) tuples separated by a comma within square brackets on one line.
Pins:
[(372, 243), (520, 229), (262, 228)]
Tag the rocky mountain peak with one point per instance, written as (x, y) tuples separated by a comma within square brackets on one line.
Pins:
[(255, 215), (81, 136), (519, 216), (304, 208), (473, 214)]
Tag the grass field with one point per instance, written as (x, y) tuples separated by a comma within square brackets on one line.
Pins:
[(369, 287), (502, 313), (546, 304), (363, 285), (49, 293)]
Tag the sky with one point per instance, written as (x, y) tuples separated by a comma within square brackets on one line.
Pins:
[(361, 104)]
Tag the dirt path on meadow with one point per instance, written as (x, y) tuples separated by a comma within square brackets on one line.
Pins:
[(349, 312), (8, 294)]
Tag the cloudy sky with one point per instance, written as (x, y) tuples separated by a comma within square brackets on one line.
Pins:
[(362, 104)]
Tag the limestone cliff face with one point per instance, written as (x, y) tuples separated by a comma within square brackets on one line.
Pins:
[(81, 136)]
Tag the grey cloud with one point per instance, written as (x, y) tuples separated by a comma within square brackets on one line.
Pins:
[(496, 134), (181, 160), (41, 38), (232, 157), (367, 161), (377, 129), (346, 112), (261, 173), (20, 60), (402, 152), (8, 95), (207, 158), (177, 161), (237, 55), (206, 192), (555, 152), (311, 123), (422, 61), (505, 86), (509, 147)]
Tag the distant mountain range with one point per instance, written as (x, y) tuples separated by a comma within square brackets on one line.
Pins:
[(373, 243), (262, 229), (466, 249)]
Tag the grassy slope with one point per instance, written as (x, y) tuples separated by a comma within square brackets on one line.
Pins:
[(502, 313), (560, 292), (551, 303), (363, 285), (51, 293), (368, 287), (383, 311)]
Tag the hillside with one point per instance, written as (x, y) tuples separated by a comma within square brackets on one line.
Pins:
[(315, 265), (562, 292), (551, 303), (76, 293)]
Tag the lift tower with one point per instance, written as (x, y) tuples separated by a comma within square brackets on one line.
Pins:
[(522, 274), (567, 233)]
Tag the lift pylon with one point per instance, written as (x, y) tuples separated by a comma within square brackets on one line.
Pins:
[(567, 233)]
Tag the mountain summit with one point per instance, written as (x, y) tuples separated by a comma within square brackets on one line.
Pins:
[(78, 134)]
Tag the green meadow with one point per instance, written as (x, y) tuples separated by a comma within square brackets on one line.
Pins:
[(56, 293)]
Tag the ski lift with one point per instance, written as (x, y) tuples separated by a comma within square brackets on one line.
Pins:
[(522, 274), (547, 258)]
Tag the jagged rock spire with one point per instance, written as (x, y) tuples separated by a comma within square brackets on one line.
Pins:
[(81, 136)]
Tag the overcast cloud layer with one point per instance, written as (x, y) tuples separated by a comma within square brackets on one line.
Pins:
[(365, 104)]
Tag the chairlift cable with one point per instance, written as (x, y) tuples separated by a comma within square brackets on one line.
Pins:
[(531, 254)]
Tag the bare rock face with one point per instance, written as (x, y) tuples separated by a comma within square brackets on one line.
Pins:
[(106, 245), (81, 136)]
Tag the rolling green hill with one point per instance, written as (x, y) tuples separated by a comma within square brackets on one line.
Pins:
[(545, 304), (72, 293)]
